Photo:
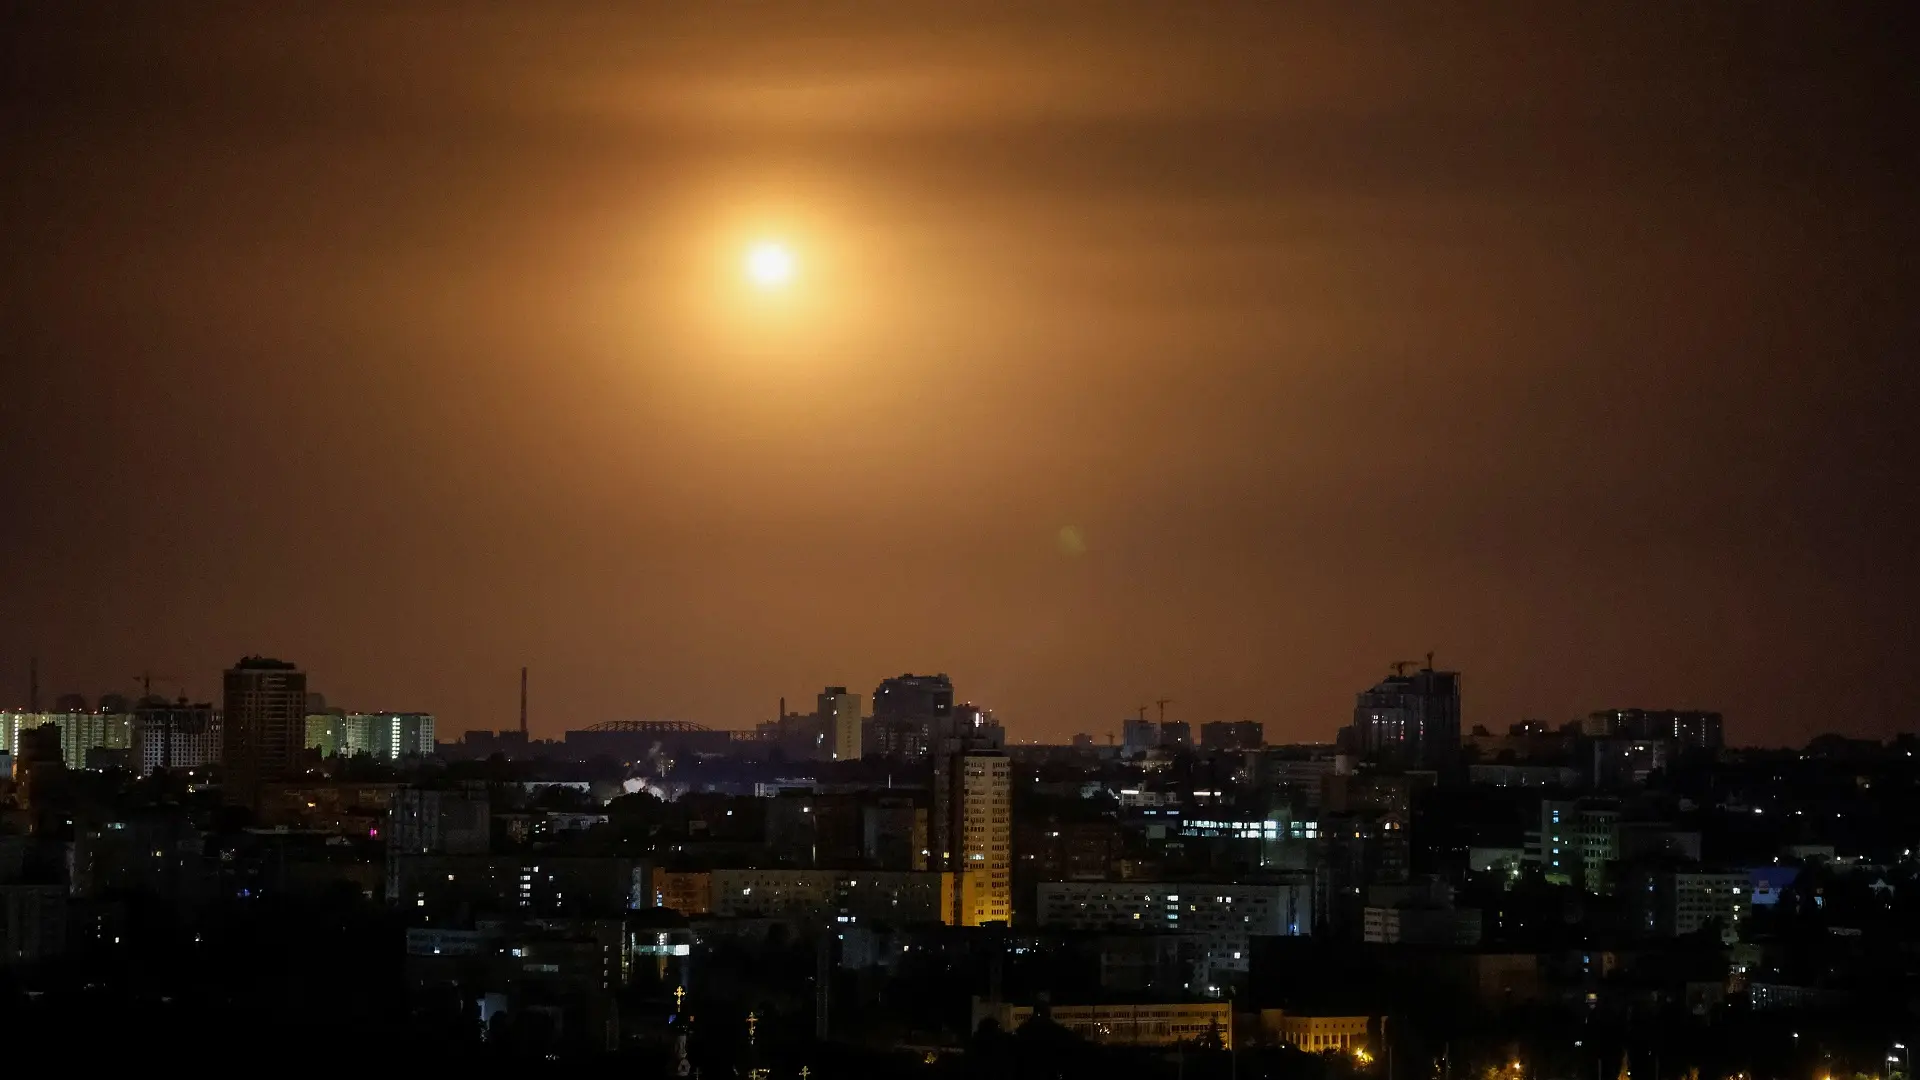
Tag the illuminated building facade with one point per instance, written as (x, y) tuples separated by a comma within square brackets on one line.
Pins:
[(689, 892), (1316, 1034), (80, 730), (839, 711), (387, 736), (973, 833), (392, 736)]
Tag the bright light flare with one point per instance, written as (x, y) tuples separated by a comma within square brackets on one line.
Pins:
[(770, 265)]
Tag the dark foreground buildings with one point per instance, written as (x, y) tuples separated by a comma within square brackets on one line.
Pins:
[(1560, 894)]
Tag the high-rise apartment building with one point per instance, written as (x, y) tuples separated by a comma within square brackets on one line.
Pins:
[(910, 713), (426, 821), (893, 833), (913, 697), (1411, 720), (1578, 843), (897, 738), (175, 735), (969, 727), (36, 760), (81, 730), (387, 736), (33, 923), (329, 733), (1628, 763), (1699, 730), (1137, 736), (1233, 735), (264, 725), (973, 832), (393, 736), (839, 712), (1675, 903)]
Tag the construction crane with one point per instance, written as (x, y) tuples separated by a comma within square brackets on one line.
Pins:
[(1143, 714), (1163, 703), (145, 679), (1400, 666)]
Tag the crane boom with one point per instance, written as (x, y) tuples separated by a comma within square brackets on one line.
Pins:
[(145, 679), (1400, 666)]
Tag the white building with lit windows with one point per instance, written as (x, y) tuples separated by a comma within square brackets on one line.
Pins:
[(387, 736), (1676, 903)]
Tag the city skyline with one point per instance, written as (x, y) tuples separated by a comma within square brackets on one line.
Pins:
[(917, 541), (1095, 356), (831, 699)]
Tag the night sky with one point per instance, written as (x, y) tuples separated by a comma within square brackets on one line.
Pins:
[(1224, 354)]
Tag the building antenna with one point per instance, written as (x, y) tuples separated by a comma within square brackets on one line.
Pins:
[(523, 703)]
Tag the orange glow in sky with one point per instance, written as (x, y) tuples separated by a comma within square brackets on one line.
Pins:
[(770, 265)]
